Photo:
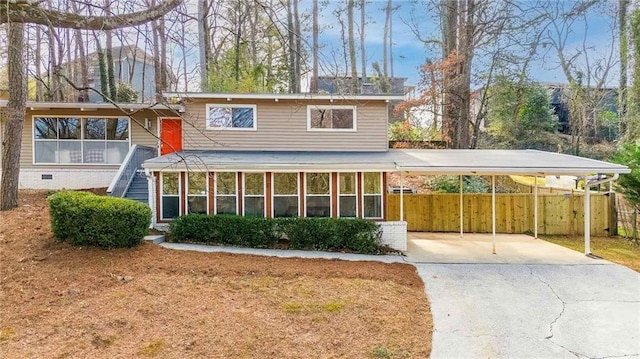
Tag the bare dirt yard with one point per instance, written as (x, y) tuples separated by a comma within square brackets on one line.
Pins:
[(59, 301)]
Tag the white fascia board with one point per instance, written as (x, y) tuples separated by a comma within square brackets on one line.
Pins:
[(181, 167), (275, 97), (89, 106), (510, 171)]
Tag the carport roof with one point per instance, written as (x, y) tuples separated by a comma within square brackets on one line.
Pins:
[(472, 162)]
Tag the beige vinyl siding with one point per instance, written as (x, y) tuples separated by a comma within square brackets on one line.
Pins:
[(282, 126), (138, 134)]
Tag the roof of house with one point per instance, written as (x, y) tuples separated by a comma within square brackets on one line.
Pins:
[(280, 96), (435, 162)]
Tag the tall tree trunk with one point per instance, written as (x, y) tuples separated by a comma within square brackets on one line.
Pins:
[(449, 10), (291, 47), (363, 70), (391, 39), (385, 39), (315, 30), (111, 77), (102, 69), (16, 109), (84, 67), (204, 42), (352, 48), (298, 37), (38, 64), (623, 6)]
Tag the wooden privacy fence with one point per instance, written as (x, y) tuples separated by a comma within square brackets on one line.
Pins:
[(557, 213)]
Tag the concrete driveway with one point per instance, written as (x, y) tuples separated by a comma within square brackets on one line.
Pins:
[(531, 308)]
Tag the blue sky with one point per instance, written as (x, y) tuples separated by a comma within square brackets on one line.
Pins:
[(409, 53)]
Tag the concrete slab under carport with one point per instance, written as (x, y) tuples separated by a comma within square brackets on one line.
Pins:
[(425, 247)]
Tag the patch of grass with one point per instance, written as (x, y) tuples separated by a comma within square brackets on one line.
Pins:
[(152, 348), (6, 334), (615, 249), (296, 307), (380, 352)]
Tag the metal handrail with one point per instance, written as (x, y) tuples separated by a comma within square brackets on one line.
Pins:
[(132, 163)]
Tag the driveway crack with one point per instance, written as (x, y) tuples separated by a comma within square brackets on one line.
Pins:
[(564, 304)]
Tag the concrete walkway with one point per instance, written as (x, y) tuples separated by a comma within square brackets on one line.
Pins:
[(284, 253)]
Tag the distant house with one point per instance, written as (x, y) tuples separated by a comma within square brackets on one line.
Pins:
[(607, 101), (131, 65), (365, 86)]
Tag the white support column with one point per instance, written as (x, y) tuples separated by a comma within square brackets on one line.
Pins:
[(587, 220), (401, 197), (535, 209), (493, 212), (461, 210)]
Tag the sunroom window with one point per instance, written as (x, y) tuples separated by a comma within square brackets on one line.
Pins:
[(170, 195), (372, 194), (285, 195), (254, 194), (226, 193), (76, 140), (197, 192), (347, 202), (318, 194)]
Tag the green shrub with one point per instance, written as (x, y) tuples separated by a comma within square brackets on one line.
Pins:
[(327, 234), (90, 220), (225, 229)]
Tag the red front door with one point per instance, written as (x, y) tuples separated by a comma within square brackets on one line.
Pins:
[(170, 135)]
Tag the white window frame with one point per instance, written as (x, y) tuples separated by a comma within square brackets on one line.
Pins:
[(307, 194), (162, 218), (264, 192), (206, 191), (274, 195), (355, 195), (226, 105), (81, 140), (332, 107), (381, 196), (216, 195)]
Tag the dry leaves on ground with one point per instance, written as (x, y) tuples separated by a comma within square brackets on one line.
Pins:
[(59, 301)]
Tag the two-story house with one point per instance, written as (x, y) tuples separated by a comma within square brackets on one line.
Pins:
[(270, 155)]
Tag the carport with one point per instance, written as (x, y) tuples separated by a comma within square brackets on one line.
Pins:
[(503, 163)]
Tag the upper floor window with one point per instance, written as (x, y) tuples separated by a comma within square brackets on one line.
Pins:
[(91, 140), (334, 118), (231, 117)]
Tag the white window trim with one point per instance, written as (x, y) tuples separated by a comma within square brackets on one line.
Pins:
[(244, 192), (307, 194), (34, 140), (226, 105), (206, 191), (355, 195), (381, 196), (274, 195), (335, 107), (162, 218), (215, 194)]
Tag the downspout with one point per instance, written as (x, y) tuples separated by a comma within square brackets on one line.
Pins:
[(587, 210)]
